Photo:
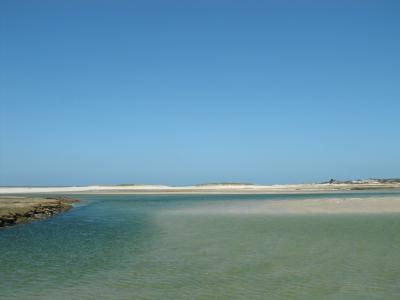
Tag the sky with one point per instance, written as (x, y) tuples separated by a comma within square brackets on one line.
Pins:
[(183, 92)]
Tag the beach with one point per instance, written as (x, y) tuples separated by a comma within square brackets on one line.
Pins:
[(204, 189)]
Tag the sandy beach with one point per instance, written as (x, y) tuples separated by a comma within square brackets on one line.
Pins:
[(203, 189)]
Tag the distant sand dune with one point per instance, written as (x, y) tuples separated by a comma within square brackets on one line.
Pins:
[(200, 189)]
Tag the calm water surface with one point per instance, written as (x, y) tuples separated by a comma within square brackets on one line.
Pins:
[(147, 247)]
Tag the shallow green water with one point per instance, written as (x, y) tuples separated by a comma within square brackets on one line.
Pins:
[(149, 247)]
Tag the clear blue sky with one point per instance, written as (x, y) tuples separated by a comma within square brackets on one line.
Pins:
[(182, 92)]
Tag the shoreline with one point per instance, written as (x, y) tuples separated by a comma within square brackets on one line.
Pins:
[(19, 210), (204, 189)]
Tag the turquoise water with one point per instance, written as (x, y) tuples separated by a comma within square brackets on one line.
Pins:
[(149, 247)]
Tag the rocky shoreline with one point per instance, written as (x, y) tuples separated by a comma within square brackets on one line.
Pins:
[(17, 210)]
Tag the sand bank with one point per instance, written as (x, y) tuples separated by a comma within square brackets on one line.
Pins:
[(202, 189)]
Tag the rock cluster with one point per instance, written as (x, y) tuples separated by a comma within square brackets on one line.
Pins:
[(38, 211)]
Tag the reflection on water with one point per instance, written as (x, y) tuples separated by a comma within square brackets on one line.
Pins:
[(132, 247)]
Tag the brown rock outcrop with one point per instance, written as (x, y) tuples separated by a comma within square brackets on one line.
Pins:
[(17, 210)]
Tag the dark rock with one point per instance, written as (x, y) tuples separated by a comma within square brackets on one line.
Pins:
[(39, 211)]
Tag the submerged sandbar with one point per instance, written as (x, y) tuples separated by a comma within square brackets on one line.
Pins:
[(370, 205)]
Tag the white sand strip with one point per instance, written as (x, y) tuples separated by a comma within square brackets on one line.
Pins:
[(201, 189)]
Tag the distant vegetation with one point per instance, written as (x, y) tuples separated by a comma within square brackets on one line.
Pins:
[(224, 183), (128, 184)]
